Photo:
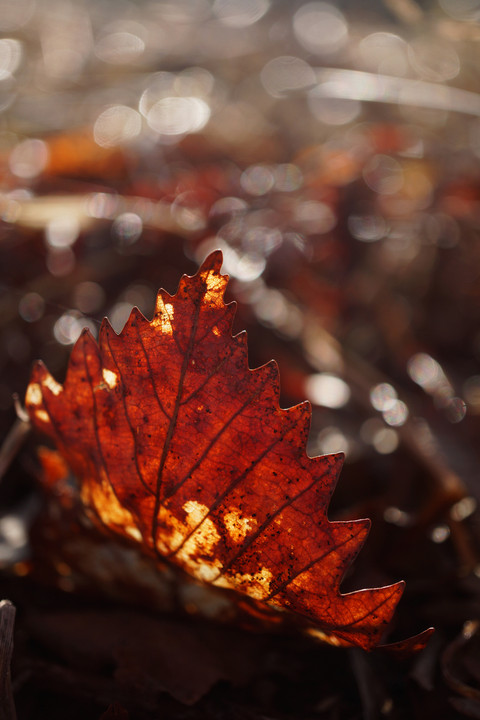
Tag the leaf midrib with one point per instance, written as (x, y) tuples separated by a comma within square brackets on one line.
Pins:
[(174, 417)]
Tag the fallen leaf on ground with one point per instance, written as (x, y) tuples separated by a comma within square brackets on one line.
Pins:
[(183, 449)]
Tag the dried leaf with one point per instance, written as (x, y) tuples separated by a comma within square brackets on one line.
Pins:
[(180, 447)]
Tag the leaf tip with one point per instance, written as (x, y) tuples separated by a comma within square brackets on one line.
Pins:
[(213, 262), (336, 460), (38, 369), (85, 341), (410, 646)]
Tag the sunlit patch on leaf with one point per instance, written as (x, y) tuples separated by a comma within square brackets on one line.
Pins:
[(180, 447)]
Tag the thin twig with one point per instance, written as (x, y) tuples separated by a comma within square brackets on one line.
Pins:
[(7, 621), (12, 443)]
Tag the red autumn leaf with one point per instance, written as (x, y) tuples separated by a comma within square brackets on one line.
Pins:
[(180, 447)]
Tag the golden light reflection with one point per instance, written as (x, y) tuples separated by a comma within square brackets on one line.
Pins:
[(384, 53), (327, 390), (314, 217), (11, 51), (367, 228), (285, 74), (178, 115), (433, 60), (426, 371), (28, 158), (332, 440), (397, 414), (243, 266), (397, 517), (383, 175), (383, 396), (240, 13), (405, 92), (68, 327), (320, 27), (429, 374), (288, 177), (384, 440), (262, 240), (14, 530), (455, 409), (127, 227), (101, 205), (330, 104), (120, 47), (188, 212), (463, 508), (62, 231), (257, 180), (440, 534), (116, 125)]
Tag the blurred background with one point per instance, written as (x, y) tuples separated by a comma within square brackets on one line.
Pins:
[(332, 151)]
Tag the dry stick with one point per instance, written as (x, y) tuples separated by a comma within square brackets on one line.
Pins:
[(7, 621), (14, 440)]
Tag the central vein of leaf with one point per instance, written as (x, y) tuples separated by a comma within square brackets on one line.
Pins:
[(173, 418)]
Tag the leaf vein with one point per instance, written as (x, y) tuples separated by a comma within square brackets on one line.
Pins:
[(281, 586), (151, 375), (251, 538), (127, 417), (95, 424), (173, 421)]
